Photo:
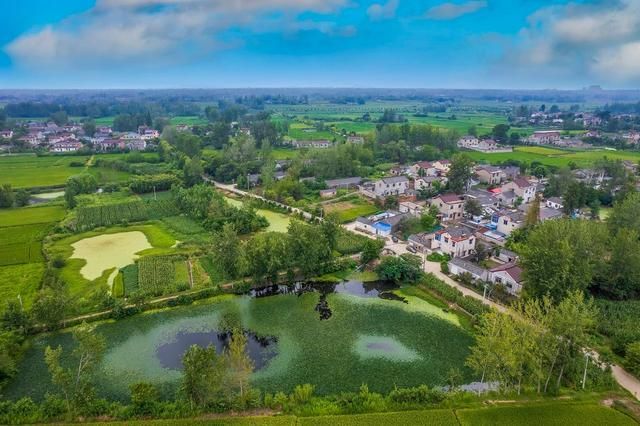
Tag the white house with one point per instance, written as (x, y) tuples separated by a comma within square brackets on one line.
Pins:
[(356, 140), (489, 174), (509, 275), (508, 221), (66, 146), (320, 144), (423, 169), (397, 185), (544, 137), (456, 241), (411, 208), (555, 203)]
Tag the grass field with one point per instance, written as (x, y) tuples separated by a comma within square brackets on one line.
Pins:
[(26, 171), (554, 157), (348, 211), (31, 215), (22, 280)]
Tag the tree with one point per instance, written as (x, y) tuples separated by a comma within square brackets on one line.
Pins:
[(500, 133), (371, 250), (632, 358), (192, 171), (266, 255), (202, 376), (7, 196), (473, 207), (309, 248), (60, 118), (144, 398), (89, 127), (621, 277), (15, 318), (74, 380), (227, 251), (239, 364), (563, 255), (460, 173), (625, 214), (405, 268), (533, 213), (331, 229), (22, 198), (49, 308)]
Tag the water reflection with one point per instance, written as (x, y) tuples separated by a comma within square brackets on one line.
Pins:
[(260, 349), (380, 289)]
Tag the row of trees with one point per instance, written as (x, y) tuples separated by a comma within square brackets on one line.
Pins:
[(539, 345), (10, 197)]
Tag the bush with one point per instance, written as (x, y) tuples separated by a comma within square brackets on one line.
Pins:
[(58, 262), (302, 394), (469, 304), (438, 257), (632, 358), (444, 267)]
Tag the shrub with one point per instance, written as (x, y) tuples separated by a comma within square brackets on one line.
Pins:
[(58, 262), (302, 393), (444, 267), (632, 358)]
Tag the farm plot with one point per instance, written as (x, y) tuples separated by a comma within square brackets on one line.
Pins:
[(159, 275), (349, 211), (89, 217)]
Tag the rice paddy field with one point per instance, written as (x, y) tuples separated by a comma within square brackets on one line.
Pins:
[(366, 340), (553, 156)]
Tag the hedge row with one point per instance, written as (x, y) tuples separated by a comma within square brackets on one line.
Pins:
[(468, 303)]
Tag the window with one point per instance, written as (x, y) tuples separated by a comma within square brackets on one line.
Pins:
[(498, 280), (471, 241), (505, 222), (453, 244), (446, 239)]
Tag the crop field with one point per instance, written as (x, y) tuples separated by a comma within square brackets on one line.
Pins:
[(26, 171), (348, 211), (554, 157), (162, 274), (89, 217), (21, 280), (307, 348)]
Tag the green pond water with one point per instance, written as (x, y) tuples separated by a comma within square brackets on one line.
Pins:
[(278, 222), (382, 343)]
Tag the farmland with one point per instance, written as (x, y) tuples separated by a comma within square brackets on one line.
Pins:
[(350, 210), (554, 157), (27, 171)]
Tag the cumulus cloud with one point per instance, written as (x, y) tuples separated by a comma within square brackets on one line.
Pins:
[(116, 31), (449, 11), (598, 40), (379, 11)]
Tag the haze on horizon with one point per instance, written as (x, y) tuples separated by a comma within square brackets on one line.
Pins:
[(483, 44)]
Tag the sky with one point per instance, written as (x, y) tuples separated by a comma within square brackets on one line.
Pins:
[(528, 44)]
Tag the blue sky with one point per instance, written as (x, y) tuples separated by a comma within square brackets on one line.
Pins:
[(319, 43)]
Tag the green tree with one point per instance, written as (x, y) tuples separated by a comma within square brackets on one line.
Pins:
[(60, 118), (192, 171), (50, 307), (473, 207), (460, 173), (239, 364), (89, 127), (7, 196), (632, 358), (74, 379), (144, 398), (22, 198), (533, 213), (15, 318), (266, 255), (625, 214), (562, 255), (621, 277), (500, 133), (202, 376), (371, 250), (405, 268), (227, 251)]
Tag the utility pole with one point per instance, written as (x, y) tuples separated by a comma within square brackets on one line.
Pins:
[(155, 197), (584, 377)]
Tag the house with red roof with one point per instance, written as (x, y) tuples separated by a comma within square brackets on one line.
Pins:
[(522, 188), (450, 206), (509, 275)]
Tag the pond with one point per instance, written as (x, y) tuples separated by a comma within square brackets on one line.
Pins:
[(108, 251), (366, 339), (45, 197), (278, 222)]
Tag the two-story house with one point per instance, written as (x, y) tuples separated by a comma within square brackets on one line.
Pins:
[(423, 169), (490, 175), (509, 275), (450, 206), (456, 241), (522, 188), (507, 221)]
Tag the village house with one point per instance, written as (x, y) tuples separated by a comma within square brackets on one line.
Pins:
[(411, 208), (456, 241), (421, 242), (104, 130), (423, 169), (490, 175), (507, 221), (66, 146), (356, 140), (510, 172), (136, 144), (450, 206), (442, 166), (328, 193), (555, 203), (509, 275), (110, 144), (385, 187), (469, 142), (320, 144), (427, 183), (29, 139), (544, 137), (6, 134), (345, 183), (487, 200), (459, 266), (522, 188), (381, 225)]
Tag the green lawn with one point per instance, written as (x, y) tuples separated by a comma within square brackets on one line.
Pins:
[(23, 280), (31, 215)]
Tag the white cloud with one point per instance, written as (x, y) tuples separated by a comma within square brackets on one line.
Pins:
[(379, 11), (449, 11), (596, 41), (116, 31)]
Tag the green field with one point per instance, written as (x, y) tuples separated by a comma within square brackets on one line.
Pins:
[(554, 157), (350, 210), (552, 413), (325, 353), (31, 215), (23, 280), (26, 171)]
